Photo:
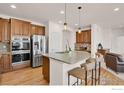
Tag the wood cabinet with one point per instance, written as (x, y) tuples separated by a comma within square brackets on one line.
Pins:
[(19, 27), (37, 30), (16, 27), (5, 63), (83, 37), (79, 37), (46, 68), (4, 30), (26, 28)]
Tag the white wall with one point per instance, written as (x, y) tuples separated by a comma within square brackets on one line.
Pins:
[(96, 38), (69, 36), (117, 43), (100, 34), (55, 37), (110, 38), (58, 38)]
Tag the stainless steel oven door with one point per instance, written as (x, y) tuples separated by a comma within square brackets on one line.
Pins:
[(16, 58), (25, 56), (25, 45), (16, 45)]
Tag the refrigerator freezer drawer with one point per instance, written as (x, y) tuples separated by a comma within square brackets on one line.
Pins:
[(37, 61)]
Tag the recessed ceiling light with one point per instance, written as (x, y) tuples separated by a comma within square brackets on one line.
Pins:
[(76, 24), (116, 9), (60, 22), (13, 6), (62, 12)]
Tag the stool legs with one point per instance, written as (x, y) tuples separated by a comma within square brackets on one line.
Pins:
[(77, 81), (99, 73), (68, 79), (86, 78), (92, 77)]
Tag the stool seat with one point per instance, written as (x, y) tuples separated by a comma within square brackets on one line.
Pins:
[(77, 72)]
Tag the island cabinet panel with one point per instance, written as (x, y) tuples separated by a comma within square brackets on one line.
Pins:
[(46, 68), (83, 37), (5, 63), (37, 30), (4, 30), (20, 27), (0, 64)]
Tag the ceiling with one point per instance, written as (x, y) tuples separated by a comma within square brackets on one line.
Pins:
[(90, 14)]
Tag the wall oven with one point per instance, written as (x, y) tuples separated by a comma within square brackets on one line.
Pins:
[(20, 49), (16, 43), (25, 43), (25, 56), (16, 58)]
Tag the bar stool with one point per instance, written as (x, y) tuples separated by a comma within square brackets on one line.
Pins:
[(85, 72), (79, 73), (93, 69)]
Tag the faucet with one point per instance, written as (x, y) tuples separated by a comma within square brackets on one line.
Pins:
[(68, 48)]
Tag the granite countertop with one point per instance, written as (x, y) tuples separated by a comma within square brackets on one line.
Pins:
[(69, 58)]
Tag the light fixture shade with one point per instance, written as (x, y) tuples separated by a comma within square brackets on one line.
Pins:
[(65, 26), (65, 23), (79, 30)]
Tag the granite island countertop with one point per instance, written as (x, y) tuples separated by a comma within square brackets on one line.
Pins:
[(69, 58)]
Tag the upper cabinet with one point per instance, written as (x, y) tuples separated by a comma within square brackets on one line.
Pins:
[(19, 27), (37, 30), (26, 28), (4, 30), (83, 37)]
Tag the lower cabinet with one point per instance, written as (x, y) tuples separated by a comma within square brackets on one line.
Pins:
[(5, 63), (46, 68), (0, 71)]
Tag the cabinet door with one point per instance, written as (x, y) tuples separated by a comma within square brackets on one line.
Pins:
[(6, 62), (1, 28), (1, 64), (79, 37), (84, 36), (46, 68), (37, 30), (16, 27), (4, 30), (26, 29), (41, 30), (89, 36), (33, 29)]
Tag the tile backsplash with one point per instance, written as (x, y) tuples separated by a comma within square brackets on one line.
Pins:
[(83, 46), (4, 47)]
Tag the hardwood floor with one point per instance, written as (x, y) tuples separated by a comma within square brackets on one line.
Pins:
[(26, 76), (33, 76)]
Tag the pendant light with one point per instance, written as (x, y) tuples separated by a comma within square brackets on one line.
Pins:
[(65, 23), (79, 28)]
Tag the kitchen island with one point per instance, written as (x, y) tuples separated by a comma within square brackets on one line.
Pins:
[(61, 63)]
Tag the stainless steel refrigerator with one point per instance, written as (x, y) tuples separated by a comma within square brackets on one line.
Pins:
[(38, 47)]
